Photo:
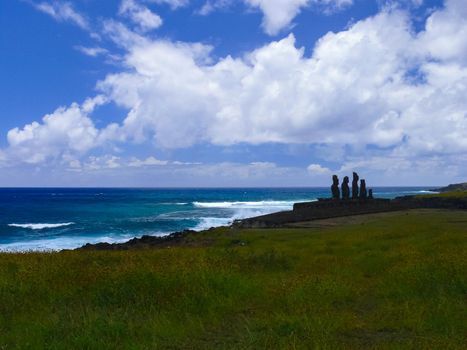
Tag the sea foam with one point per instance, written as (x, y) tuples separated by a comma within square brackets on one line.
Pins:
[(250, 204), (66, 242), (41, 226), (240, 210)]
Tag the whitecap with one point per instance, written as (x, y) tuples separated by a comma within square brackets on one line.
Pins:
[(240, 210), (41, 226), (60, 243), (249, 204), (208, 222)]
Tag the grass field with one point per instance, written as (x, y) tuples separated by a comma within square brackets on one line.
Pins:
[(453, 194), (384, 281)]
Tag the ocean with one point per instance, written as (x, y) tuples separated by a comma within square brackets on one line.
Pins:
[(65, 218)]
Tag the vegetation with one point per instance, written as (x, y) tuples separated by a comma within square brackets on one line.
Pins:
[(385, 281), (454, 187), (451, 194)]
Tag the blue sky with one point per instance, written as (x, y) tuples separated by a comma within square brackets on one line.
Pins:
[(232, 92)]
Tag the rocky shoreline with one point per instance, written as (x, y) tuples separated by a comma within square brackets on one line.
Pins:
[(302, 212), (176, 238), (359, 201)]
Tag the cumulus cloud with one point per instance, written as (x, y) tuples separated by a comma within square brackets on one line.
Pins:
[(274, 94), (408, 96), (317, 169), (278, 14), (67, 131), (63, 12), (143, 17), (377, 84)]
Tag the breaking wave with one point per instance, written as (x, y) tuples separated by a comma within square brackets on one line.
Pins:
[(240, 210), (41, 226), (60, 243), (240, 205)]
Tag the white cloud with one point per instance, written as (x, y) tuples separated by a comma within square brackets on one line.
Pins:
[(400, 3), (122, 36), (93, 163), (317, 169), (63, 12), (376, 84), (279, 14), (110, 161), (174, 4), (330, 6), (150, 161), (214, 5), (446, 33), (143, 17), (276, 94), (238, 172), (109, 170), (373, 84), (65, 132), (91, 51)]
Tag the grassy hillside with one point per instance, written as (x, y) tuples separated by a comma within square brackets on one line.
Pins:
[(395, 280)]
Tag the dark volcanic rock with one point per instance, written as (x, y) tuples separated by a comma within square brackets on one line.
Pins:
[(370, 194), (175, 238), (363, 193), (345, 188), (355, 185), (335, 187)]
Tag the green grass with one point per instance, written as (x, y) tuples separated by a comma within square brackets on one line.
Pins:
[(452, 194), (386, 281)]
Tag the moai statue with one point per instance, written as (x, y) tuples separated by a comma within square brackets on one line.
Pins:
[(363, 194), (355, 185), (370, 193), (345, 188), (335, 187)]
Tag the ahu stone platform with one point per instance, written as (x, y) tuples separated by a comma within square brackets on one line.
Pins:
[(332, 208), (321, 209)]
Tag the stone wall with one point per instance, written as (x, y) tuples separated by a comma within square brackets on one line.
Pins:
[(322, 209), (331, 208)]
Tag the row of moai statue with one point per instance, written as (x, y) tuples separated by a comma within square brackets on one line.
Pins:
[(356, 191)]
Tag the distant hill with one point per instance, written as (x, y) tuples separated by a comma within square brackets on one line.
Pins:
[(453, 187)]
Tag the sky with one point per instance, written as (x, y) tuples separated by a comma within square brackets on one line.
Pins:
[(232, 93)]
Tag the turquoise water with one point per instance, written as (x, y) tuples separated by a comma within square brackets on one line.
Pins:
[(53, 219)]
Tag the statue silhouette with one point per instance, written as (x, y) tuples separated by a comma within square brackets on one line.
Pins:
[(345, 188), (362, 189), (335, 187), (355, 185)]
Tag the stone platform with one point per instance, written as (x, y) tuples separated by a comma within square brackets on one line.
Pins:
[(321, 209), (332, 208)]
